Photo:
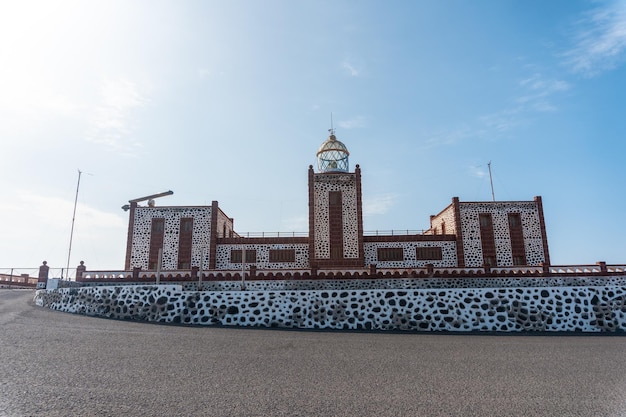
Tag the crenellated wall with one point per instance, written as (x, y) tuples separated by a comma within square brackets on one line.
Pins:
[(599, 308)]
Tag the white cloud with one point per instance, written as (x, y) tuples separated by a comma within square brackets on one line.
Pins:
[(49, 222), (544, 86), (503, 121), (52, 210), (600, 40), (111, 120), (203, 73), (354, 123), (537, 96), (543, 107), (350, 68), (378, 204), (537, 93), (451, 137), (121, 94), (478, 171)]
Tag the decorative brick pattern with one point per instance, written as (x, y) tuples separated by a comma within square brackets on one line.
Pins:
[(140, 249), (444, 220), (263, 256), (531, 228), (224, 225), (323, 185), (448, 250)]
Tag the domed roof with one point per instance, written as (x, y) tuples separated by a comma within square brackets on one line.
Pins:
[(332, 144), (332, 155)]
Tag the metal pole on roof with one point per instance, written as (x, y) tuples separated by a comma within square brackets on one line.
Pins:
[(493, 196), (69, 252)]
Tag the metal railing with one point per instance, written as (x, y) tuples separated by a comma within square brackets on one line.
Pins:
[(263, 234), (61, 273), (391, 232)]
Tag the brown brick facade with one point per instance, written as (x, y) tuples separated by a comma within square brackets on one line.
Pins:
[(544, 236)]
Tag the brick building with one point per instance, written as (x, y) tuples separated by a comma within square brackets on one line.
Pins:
[(463, 235)]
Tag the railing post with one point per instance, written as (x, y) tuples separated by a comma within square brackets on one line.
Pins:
[(602, 266), (80, 269), (42, 280)]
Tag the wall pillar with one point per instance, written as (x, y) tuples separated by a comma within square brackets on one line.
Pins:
[(542, 224), (213, 235), (80, 269), (460, 254), (129, 237), (311, 217), (42, 280)]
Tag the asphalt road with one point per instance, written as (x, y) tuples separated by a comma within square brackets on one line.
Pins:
[(58, 364)]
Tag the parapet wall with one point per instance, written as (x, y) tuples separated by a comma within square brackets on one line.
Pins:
[(599, 308)]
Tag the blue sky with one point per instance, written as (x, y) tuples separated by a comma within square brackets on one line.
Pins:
[(229, 101)]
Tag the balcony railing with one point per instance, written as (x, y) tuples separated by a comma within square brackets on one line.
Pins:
[(392, 232), (263, 234)]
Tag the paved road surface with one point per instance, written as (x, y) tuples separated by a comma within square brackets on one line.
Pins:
[(58, 364)]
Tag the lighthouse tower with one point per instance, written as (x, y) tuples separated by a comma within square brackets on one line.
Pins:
[(335, 209)]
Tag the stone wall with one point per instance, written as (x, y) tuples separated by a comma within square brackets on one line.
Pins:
[(500, 309), (263, 256), (531, 226), (448, 251), (346, 184), (142, 232)]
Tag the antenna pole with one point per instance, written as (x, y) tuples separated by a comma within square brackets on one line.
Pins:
[(332, 129), (493, 196), (69, 252)]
